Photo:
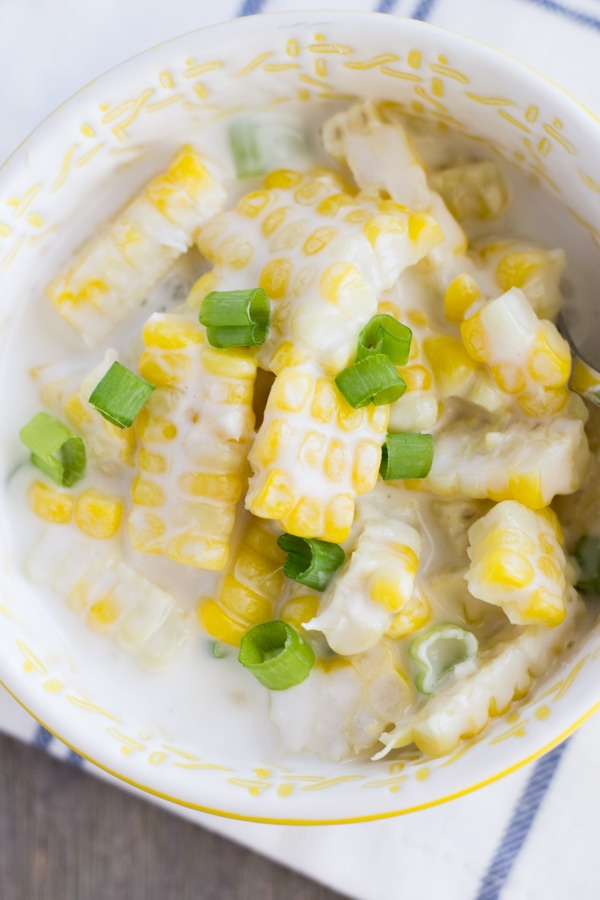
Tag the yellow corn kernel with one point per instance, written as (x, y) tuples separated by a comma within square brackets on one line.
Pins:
[(49, 504), (286, 356), (423, 227), (254, 203), (583, 378), (318, 240), (508, 568), (227, 488), (339, 516), (553, 521), (282, 179), (243, 602), (219, 624), (526, 488), (291, 390), (551, 401), (147, 532), (414, 615), (147, 493), (171, 332), (309, 192), (461, 293), (263, 541), (274, 220), (203, 286), (365, 469), (300, 610), (276, 499), (312, 450), (546, 607), (233, 363), (189, 548), (233, 251), (550, 362), (98, 515), (154, 429), (103, 613), (305, 519), (335, 461), (417, 378), (331, 205), (474, 339), (338, 279), (376, 226), (164, 371), (323, 406), (275, 278), (77, 415), (151, 462), (515, 269), (451, 364), (268, 443)]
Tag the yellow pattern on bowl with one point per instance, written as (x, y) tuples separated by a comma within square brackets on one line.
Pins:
[(122, 128)]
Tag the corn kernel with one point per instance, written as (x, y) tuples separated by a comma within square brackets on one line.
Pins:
[(275, 278), (461, 293), (97, 514), (49, 504)]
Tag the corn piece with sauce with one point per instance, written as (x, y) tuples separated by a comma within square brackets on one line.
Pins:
[(193, 440), (113, 272)]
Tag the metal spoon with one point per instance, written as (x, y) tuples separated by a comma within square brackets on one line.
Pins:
[(585, 376)]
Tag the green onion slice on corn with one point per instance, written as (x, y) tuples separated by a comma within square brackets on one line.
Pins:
[(373, 379), (310, 561), (436, 654), (120, 395), (406, 456), (55, 449), (385, 334), (236, 318), (276, 655)]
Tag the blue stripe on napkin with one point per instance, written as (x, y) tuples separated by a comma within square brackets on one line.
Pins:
[(520, 824), (572, 14), (251, 7), (42, 738)]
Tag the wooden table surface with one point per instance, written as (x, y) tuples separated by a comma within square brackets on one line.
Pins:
[(66, 835)]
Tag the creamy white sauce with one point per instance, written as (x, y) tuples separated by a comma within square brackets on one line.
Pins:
[(40, 340)]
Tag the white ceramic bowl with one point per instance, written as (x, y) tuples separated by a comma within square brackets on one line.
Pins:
[(78, 167)]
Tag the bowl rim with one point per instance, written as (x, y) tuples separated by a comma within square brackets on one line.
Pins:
[(25, 696)]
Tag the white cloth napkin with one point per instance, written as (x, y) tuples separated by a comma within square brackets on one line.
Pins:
[(535, 834)]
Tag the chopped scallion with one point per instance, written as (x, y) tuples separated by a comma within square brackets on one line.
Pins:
[(236, 318), (260, 143), (587, 557), (276, 655), (309, 561), (373, 379), (406, 456), (120, 395), (438, 652), (384, 334), (55, 449)]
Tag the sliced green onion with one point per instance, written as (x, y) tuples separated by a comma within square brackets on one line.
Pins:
[(309, 561), (120, 395), (236, 318), (587, 556), (384, 334), (438, 652), (276, 655), (55, 449), (406, 456), (373, 379), (261, 143)]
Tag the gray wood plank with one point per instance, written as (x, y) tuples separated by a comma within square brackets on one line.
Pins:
[(65, 835)]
